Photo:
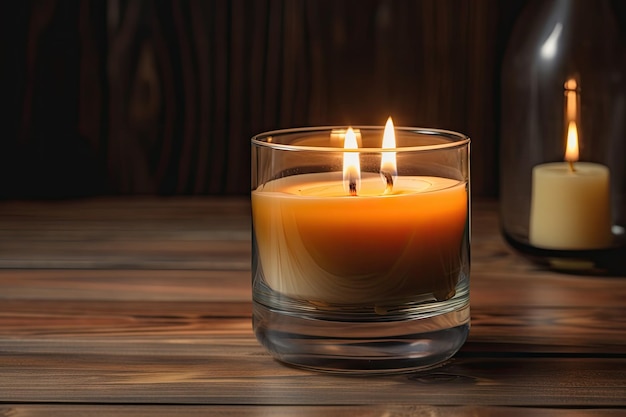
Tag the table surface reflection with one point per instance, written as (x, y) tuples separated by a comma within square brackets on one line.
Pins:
[(118, 306)]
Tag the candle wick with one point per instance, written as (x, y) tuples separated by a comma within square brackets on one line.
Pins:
[(352, 186), (389, 179), (571, 166)]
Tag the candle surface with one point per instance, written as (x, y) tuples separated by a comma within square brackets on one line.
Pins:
[(316, 242), (570, 209)]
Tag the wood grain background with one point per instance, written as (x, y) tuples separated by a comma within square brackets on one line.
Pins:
[(162, 97)]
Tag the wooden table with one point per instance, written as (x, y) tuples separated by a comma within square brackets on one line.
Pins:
[(142, 307)]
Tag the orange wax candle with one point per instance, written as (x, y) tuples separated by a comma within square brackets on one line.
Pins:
[(317, 243)]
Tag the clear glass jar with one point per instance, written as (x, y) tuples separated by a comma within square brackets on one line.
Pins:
[(360, 260), (563, 77)]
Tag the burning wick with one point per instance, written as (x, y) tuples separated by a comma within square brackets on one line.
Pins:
[(351, 165), (389, 180), (352, 187)]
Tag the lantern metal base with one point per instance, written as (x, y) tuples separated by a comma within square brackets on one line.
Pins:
[(608, 261)]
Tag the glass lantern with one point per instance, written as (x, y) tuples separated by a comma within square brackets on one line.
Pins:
[(563, 138)]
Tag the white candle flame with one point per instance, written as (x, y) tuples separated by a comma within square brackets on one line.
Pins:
[(571, 151), (388, 166), (351, 165)]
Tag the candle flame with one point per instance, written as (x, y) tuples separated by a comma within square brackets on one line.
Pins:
[(351, 165), (388, 166), (571, 150), (571, 120)]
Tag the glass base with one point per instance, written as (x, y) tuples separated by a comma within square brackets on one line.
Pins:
[(412, 338), (609, 261)]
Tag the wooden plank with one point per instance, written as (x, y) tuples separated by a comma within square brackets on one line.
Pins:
[(220, 372), (532, 331), (489, 287), (153, 254), (184, 233), (37, 285), (103, 410)]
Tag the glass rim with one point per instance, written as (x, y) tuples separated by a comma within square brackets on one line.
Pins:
[(457, 139)]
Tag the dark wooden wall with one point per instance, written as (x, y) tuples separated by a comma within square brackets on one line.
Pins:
[(162, 97)]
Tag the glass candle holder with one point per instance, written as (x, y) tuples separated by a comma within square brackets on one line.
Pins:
[(563, 177), (360, 260)]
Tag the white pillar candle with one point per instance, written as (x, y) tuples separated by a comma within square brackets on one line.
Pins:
[(570, 209), (570, 201)]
